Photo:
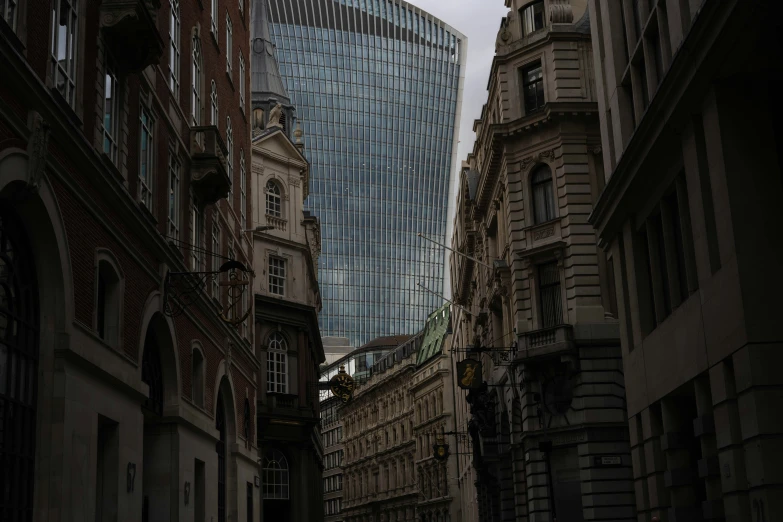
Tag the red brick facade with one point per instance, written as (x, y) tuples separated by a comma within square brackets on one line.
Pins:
[(97, 208)]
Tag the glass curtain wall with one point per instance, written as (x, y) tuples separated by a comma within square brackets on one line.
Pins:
[(376, 85)]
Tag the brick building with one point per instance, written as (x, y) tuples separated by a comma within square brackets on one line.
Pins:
[(124, 142), (690, 219)]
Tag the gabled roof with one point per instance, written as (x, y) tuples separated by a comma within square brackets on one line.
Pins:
[(277, 133), (434, 334)]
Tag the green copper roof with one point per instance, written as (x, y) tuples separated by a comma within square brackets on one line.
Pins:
[(434, 335)]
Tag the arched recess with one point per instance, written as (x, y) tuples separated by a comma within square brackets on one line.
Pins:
[(541, 194), (275, 197), (109, 298), (158, 328), (198, 365), (39, 222), (225, 423)]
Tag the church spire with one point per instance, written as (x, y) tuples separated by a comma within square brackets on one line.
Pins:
[(266, 85)]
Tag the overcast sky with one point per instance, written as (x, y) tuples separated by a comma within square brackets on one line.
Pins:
[(479, 20)]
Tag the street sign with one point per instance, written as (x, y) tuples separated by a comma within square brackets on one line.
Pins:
[(608, 460)]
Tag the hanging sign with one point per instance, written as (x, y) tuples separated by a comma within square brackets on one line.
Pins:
[(469, 374)]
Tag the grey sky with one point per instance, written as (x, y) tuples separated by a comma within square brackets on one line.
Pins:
[(479, 20)]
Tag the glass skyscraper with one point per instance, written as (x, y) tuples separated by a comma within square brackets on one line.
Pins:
[(377, 87)]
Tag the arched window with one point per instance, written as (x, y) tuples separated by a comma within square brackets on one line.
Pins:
[(543, 196), (275, 475), (108, 300), (174, 31), (197, 378), (195, 86), (274, 206), (277, 364)]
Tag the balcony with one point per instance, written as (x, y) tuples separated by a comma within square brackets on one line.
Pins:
[(131, 33), (283, 400), (208, 168), (276, 222), (546, 342)]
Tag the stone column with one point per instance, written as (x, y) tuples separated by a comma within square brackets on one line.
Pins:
[(654, 462)]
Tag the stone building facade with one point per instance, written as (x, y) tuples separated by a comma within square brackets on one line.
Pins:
[(391, 425), (115, 402), (286, 243), (359, 364), (433, 421), (379, 477), (548, 433), (690, 220)]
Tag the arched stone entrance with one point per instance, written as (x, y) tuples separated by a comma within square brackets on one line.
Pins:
[(19, 344), (161, 462)]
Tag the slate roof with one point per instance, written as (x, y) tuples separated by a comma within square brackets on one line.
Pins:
[(434, 334), (265, 79)]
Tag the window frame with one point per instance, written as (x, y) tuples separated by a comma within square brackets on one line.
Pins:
[(530, 8), (113, 300), (275, 199), (215, 109), (175, 29), (556, 283), (277, 363), (147, 180), (198, 377), (280, 473), (214, 13), (197, 72), (535, 187), (196, 234), (216, 255), (230, 159), (229, 43), (173, 220), (110, 135), (537, 83), (277, 277), (241, 80), (242, 190), (70, 71), (12, 23)]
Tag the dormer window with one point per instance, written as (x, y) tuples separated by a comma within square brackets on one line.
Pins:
[(532, 16)]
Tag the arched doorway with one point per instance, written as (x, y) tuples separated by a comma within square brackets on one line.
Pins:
[(220, 447), (160, 469), (19, 342)]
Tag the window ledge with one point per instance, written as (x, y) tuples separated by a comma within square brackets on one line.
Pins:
[(147, 213), (69, 111), (230, 76), (214, 36)]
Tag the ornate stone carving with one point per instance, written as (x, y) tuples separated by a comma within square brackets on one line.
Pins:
[(597, 150), (294, 181), (274, 116), (543, 233), (37, 150), (526, 162), (560, 12), (547, 154)]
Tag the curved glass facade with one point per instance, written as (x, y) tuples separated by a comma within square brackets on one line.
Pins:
[(377, 87)]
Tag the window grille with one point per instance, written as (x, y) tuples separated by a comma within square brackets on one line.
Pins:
[(543, 196), (174, 33), (65, 24), (275, 475), (277, 364), (276, 275), (549, 292)]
